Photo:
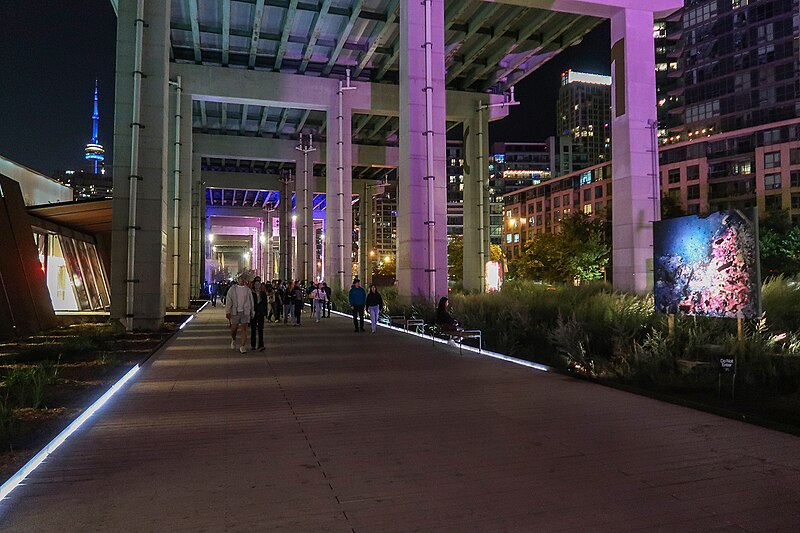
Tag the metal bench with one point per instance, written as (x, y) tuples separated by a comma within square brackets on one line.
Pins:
[(461, 334), (407, 323)]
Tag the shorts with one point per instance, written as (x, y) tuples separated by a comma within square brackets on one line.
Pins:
[(240, 319)]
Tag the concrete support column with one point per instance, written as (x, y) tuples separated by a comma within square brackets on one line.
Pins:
[(267, 242), (209, 256), (151, 227), (364, 221), (635, 173), (197, 228), (339, 221), (285, 262), (412, 195), (185, 213), (304, 186), (476, 200)]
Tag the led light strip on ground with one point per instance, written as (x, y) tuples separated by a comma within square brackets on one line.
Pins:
[(193, 315), (495, 355), (37, 459)]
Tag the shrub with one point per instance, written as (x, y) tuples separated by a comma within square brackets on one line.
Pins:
[(7, 421), (27, 383), (781, 302)]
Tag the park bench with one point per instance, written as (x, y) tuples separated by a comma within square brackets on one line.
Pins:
[(407, 323), (458, 335)]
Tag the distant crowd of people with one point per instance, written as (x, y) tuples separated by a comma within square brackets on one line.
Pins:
[(250, 303), (254, 303)]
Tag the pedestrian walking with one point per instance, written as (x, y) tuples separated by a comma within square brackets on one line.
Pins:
[(239, 311), (288, 302), (271, 311), (328, 294), (213, 289), (224, 287), (374, 305), (298, 295), (320, 297), (280, 297), (358, 297), (259, 313)]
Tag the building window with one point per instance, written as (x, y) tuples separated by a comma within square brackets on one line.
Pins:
[(795, 200), (516, 237), (565, 199), (587, 209), (608, 189), (692, 172), (539, 220), (675, 194), (674, 175), (598, 192), (772, 181), (772, 160), (699, 15), (508, 238), (557, 202), (794, 156), (587, 195), (693, 192), (795, 178), (557, 216), (702, 111), (773, 202)]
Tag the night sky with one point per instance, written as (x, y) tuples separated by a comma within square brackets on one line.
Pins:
[(52, 51)]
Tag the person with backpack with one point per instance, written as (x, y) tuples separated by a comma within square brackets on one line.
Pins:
[(328, 304), (298, 295), (288, 302), (358, 297), (259, 313)]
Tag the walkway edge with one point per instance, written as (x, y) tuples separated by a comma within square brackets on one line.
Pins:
[(15, 480)]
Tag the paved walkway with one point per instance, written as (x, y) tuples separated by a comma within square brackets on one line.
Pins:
[(331, 431)]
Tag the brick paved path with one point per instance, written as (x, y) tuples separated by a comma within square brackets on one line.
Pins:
[(331, 431)]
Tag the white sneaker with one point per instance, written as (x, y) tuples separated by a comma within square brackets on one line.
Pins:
[(233, 345), (242, 349)]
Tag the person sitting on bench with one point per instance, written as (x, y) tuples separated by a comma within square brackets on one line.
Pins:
[(443, 318)]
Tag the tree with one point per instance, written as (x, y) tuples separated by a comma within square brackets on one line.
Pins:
[(671, 207), (579, 252), (779, 245), (455, 258)]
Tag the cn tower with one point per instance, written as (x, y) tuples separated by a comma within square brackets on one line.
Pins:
[(94, 150)]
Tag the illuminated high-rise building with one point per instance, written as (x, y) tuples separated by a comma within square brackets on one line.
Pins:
[(583, 122), (94, 151)]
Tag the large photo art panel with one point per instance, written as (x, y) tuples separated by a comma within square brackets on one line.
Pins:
[(708, 266)]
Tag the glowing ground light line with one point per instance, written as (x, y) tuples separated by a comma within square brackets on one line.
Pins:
[(489, 353), (37, 459), (185, 322)]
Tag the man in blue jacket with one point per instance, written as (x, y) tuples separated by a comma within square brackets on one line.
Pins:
[(358, 297)]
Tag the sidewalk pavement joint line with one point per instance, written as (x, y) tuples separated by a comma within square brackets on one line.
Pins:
[(15, 480)]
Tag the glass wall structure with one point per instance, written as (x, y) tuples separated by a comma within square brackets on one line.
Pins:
[(75, 275)]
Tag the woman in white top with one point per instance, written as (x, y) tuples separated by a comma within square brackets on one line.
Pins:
[(320, 297), (239, 311)]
